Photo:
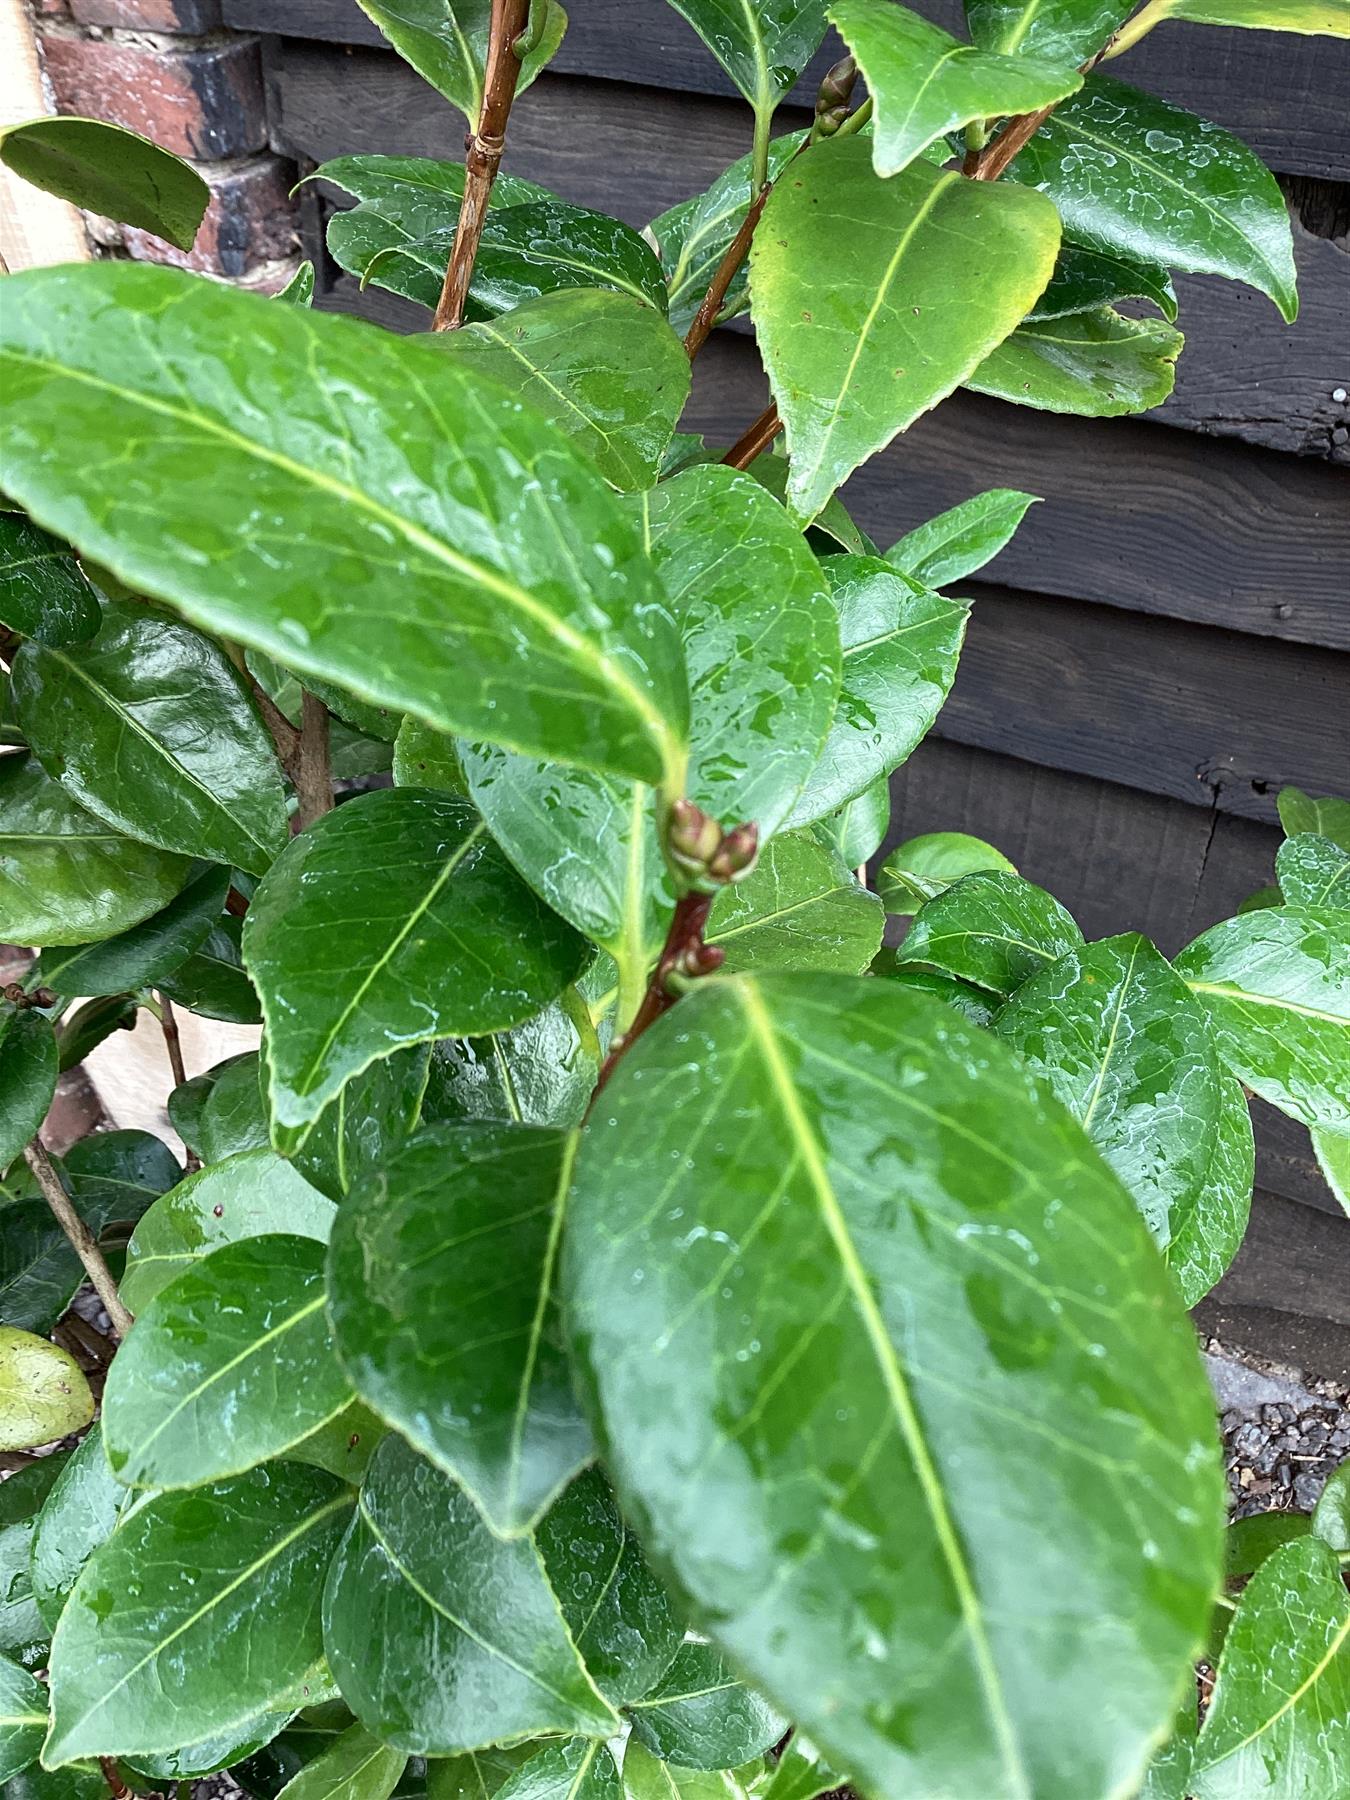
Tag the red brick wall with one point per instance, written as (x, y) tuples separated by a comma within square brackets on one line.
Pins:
[(164, 68)]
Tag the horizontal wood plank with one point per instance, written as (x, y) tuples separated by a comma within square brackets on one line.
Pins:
[(1284, 95), (1287, 1294)]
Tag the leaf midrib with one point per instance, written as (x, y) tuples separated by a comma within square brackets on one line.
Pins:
[(1291, 1700)]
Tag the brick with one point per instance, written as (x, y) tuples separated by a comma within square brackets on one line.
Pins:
[(203, 103), (251, 220), (150, 15), (49, 9)]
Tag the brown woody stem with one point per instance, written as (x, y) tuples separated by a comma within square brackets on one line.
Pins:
[(81, 1238), (312, 768), (282, 732), (173, 1043), (755, 439), (1014, 137), (684, 937), (483, 158), (727, 270)]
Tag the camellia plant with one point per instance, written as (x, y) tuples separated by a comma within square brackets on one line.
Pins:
[(629, 1332)]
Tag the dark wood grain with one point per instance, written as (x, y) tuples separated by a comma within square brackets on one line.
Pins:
[(1295, 1260), (1284, 95)]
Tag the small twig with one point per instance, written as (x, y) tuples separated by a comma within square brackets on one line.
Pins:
[(120, 1790), (727, 270), (284, 735), (173, 1043), (684, 947), (483, 157), (1010, 142), (755, 439), (312, 770), (81, 1238)]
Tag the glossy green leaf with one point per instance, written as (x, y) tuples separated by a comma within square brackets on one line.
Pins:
[(1248, 1542), (1311, 18), (23, 1718), (411, 182), (80, 1513), (1328, 817), (84, 1028), (234, 1113), (961, 540), (993, 929), (1168, 1776), (149, 726), (199, 1612), (480, 1383), (691, 238), (1063, 31), (37, 1783), (700, 1716), (106, 169), (366, 1123), (1097, 364), (800, 907), (762, 44), (1276, 985), (539, 1074), (1279, 1720), (1085, 279), (43, 1392), (925, 83), (65, 876), (432, 581), (647, 1777), (213, 980), (1128, 1049), (44, 593), (832, 529), (572, 1769), (211, 1753), (919, 277), (800, 1774), (858, 828), (428, 759), (446, 41), (1313, 871), (603, 367), (444, 1638), (975, 1005), (299, 290), (923, 867), (1205, 1240), (620, 1616), (392, 920), (243, 1197), (343, 1445), (901, 643), (478, 1774), (228, 1366), (355, 1766), (28, 1070), (1135, 175), (871, 1253), (21, 1498), (139, 957), (1331, 1515), (1332, 1149)]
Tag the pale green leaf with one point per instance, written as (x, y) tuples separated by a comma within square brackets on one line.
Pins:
[(1314, 871), (762, 44), (106, 169), (1097, 364), (1328, 817), (1332, 1149), (355, 1766), (43, 1392), (961, 540), (800, 907), (923, 867), (1062, 31)]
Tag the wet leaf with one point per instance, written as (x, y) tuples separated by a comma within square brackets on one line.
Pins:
[(1332, 1149), (1320, 18), (1085, 279), (106, 169), (762, 44), (700, 1716), (355, 1766), (1313, 871), (446, 41), (1328, 817), (858, 828), (799, 908), (137, 958), (21, 1498), (442, 1637), (1097, 364), (79, 1514), (961, 540), (993, 929), (831, 1316), (44, 593), (539, 1074), (366, 1123), (234, 1112), (28, 1070), (428, 759), (299, 290), (23, 1718), (213, 980), (1064, 31), (923, 867), (43, 1392), (647, 1777), (1331, 1515)]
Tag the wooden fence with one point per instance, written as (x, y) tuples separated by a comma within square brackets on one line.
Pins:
[(1168, 641)]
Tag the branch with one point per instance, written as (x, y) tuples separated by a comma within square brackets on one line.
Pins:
[(312, 769), (173, 1043), (990, 163), (755, 439), (81, 1238), (684, 948), (484, 154), (283, 733)]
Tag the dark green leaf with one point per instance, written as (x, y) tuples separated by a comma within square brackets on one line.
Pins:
[(901, 645), (428, 759), (108, 170), (344, 1445), (800, 1775), (43, 1392), (1128, 1049), (700, 1716), (1205, 1241), (21, 1497), (442, 1637), (962, 540), (228, 1366), (299, 290), (212, 1753), (478, 1774), (65, 876), (366, 1123), (199, 1612), (23, 1719), (1331, 1515), (432, 580), (37, 1783), (1248, 1542), (858, 828), (243, 1197), (44, 593), (28, 1070), (1063, 31), (920, 275), (1279, 1721), (974, 1004), (800, 907), (1314, 871), (393, 920), (84, 1029), (993, 929), (1168, 1775), (1276, 985), (602, 367), (444, 1306), (1133, 175), (79, 1514), (139, 957), (1328, 817), (692, 238), (618, 1613), (234, 1112), (446, 41), (149, 726), (213, 980), (1097, 364), (418, 182), (1084, 279), (539, 1074), (573, 1769), (762, 44), (924, 83), (838, 1296), (647, 1777), (355, 1766), (923, 867), (288, 691)]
